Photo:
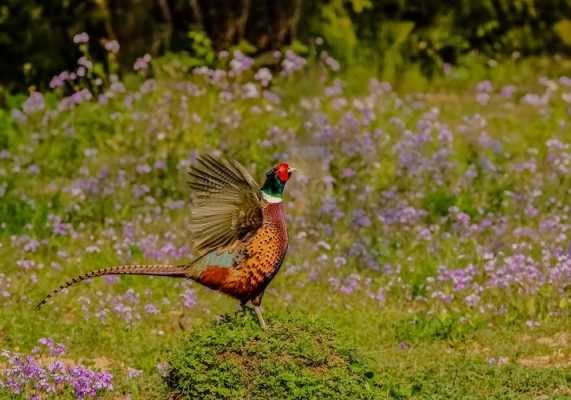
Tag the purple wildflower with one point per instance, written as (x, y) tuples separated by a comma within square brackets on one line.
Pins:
[(189, 298), (81, 38)]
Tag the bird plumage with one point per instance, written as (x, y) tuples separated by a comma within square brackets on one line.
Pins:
[(238, 232), (227, 206), (146, 269)]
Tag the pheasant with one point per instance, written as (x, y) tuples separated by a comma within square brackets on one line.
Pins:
[(238, 231)]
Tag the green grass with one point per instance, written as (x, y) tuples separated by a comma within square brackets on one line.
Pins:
[(511, 345)]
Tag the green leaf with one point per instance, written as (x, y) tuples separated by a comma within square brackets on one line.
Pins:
[(563, 30)]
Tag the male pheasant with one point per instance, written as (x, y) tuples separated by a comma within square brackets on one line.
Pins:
[(238, 229)]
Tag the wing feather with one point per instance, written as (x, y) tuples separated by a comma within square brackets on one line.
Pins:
[(227, 203)]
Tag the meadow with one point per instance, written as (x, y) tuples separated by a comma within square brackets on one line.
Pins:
[(429, 223)]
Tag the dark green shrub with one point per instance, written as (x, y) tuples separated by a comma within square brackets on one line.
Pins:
[(296, 358)]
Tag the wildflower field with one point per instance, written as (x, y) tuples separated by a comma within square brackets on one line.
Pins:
[(429, 222)]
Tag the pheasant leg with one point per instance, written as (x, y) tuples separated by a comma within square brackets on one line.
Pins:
[(258, 311), (257, 302)]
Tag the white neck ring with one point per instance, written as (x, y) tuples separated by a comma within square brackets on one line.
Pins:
[(271, 199)]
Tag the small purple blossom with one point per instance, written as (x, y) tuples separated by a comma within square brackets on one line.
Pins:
[(112, 46), (34, 103), (263, 75), (292, 63), (81, 38), (151, 309), (133, 373), (142, 63), (189, 298), (240, 63)]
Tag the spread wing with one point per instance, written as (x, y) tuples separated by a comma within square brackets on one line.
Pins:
[(227, 203)]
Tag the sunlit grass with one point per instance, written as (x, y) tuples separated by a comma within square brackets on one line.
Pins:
[(441, 258)]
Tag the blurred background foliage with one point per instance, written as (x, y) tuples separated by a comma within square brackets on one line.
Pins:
[(35, 35)]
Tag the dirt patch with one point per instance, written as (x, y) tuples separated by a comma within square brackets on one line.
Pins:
[(560, 391), (478, 349), (559, 353), (102, 363), (557, 359), (526, 338), (558, 340)]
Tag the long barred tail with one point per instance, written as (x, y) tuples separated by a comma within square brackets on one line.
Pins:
[(178, 271)]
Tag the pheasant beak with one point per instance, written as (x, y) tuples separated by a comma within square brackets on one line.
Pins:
[(291, 169)]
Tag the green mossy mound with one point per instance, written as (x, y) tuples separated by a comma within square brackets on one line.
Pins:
[(296, 358)]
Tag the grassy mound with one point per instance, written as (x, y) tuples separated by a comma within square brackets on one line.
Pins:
[(296, 358)]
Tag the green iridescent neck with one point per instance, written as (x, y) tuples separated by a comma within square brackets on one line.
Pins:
[(273, 189)]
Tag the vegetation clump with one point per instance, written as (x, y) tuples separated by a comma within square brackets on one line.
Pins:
[(295, 358)]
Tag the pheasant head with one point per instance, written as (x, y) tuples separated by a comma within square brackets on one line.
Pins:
[(276, 179)]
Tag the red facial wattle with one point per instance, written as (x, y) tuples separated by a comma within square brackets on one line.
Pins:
[(282, 172)]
